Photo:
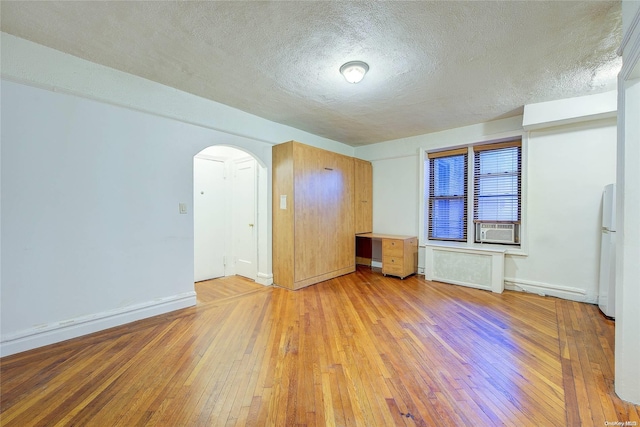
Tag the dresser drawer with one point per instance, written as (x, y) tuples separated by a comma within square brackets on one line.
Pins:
[(393, 266), (392, 248), (393, 260)]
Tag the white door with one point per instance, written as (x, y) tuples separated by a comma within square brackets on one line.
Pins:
[(208, 219), (244, 218)]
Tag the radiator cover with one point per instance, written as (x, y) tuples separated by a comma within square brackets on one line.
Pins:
[(476, 268)]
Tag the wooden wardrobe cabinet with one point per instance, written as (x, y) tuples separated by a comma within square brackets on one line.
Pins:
[(313, 215), (363, 203)]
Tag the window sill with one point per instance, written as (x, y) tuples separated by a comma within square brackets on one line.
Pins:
[(480, 247)]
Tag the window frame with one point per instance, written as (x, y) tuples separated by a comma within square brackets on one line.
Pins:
[(433, 198), (520, 249), (477, 153)]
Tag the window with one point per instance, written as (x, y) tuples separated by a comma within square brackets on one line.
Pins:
[(448, 195), (496, 176), (497, 183)]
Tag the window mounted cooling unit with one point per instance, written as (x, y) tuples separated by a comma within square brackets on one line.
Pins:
[(497, 233)]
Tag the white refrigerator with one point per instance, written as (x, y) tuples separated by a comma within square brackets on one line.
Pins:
[(607, 288)]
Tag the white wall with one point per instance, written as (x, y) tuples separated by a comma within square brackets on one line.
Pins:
[(91, 234), (395, 203), (627, 382), (628, 268), (551, 263), (567, 170), (90, 222), (566, 111)]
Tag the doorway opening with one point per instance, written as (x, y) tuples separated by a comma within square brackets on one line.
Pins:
[(226, 184)]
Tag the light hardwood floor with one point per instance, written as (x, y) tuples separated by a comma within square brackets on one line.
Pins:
[(358, 350)]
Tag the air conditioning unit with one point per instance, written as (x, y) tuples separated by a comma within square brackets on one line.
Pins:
[(497, 233)]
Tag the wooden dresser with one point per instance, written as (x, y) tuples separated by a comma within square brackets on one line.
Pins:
[(399, 253)]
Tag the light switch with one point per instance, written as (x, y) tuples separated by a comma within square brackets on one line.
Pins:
[(182, 207), (283, 201)]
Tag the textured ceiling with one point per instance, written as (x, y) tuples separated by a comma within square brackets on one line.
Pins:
[(433, 65)]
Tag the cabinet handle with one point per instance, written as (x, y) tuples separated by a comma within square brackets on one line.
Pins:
[(329, 169)]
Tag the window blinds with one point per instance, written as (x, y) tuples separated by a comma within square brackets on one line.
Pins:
[(497, 182), (448, 195)]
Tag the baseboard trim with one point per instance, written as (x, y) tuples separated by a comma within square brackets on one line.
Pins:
[(548, 289), (73, 328), (264, 279)]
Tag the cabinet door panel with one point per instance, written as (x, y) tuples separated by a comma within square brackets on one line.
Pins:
[(308, 212), (363, 201), (345, 222), (335, 242), (327, 235), (324, 214)]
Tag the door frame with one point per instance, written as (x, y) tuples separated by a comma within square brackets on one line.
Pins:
[(264, 275)]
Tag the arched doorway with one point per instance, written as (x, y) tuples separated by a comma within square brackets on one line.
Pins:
[(228, 212)]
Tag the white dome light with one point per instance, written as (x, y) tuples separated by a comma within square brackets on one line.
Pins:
[(354, 71)]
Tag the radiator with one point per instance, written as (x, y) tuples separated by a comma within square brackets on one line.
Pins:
[(476, 268)]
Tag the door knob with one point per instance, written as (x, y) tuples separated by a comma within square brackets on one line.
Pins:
[(250, 225)]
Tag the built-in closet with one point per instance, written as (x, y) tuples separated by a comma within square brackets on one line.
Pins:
[(314, 214)]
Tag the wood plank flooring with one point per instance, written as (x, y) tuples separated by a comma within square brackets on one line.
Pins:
[(358, 350)]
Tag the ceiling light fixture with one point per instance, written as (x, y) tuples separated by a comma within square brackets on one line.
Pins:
[(354, 71)]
